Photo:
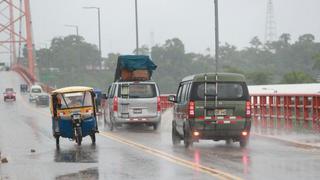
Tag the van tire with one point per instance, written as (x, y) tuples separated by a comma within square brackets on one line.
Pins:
[(111, 123), (243, 142), (175, 136), (228, 141), (155, 126), (187, 139)]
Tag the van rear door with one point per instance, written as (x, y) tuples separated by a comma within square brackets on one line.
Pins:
[(138, 100), (229, 112)]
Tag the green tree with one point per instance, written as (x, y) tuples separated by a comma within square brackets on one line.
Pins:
[(296, 77), (316, 65), (259, 77)]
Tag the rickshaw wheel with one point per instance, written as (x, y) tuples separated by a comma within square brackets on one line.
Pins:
[(78, 140), (93, 138), (57, 142)]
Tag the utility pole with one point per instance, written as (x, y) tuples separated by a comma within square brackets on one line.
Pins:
[(137, 30), (99, 32), (216, 33)]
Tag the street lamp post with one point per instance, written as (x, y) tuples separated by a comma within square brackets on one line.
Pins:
[(216, 33), (137, 30), (73, 26), (99, 31)]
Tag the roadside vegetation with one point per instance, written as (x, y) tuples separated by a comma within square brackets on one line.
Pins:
[(72, 61)]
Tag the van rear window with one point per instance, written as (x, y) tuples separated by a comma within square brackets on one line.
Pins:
[(36, 90), (138, 90), (226, 91)]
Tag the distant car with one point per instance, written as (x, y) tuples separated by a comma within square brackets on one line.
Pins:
[(42, 99), (9, 94), (35, 90)]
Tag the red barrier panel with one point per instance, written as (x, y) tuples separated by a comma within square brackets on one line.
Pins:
[(165, 104), (289, 110)]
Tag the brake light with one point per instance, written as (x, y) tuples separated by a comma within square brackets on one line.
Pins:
[(191, 109), (115, 104), (248, 109), (244, 133), (158, 104)]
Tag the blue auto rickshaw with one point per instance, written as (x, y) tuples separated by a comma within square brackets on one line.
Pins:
[(73, 113)]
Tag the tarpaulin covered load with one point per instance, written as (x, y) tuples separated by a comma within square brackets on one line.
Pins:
[(129, 66)]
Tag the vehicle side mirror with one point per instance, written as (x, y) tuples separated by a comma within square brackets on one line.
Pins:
[(172, 98), (104, 96)]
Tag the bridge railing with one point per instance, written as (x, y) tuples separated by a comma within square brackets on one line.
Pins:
[(287, 106), (298, 112)]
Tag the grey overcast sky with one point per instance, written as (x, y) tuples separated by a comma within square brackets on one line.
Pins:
[(190, 20)]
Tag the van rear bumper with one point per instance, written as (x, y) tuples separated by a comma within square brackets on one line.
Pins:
[(230, 132), (155, 119), (220, 134)]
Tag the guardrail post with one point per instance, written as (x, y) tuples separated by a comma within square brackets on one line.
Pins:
[(305, 107), (297, 107)]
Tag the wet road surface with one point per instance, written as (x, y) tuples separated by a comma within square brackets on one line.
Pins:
[(135, 152)]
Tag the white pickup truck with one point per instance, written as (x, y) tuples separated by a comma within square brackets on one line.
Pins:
[(35, 90)]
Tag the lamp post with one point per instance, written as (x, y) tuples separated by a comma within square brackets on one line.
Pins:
[(137, 30), (73, 26), (216, 33), (99, 31)]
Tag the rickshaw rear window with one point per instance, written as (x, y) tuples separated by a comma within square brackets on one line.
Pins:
[(75, 100)]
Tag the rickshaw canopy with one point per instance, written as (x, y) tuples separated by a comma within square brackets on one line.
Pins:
[(72, 89)]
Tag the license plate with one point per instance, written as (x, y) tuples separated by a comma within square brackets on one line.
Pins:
[(220, 112), (137, 111), (217, 112), (76, 116)]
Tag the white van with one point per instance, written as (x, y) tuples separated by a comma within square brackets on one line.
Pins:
[(136, 102), (35, 90)]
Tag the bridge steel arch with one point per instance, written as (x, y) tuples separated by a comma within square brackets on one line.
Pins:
[(14, 33)]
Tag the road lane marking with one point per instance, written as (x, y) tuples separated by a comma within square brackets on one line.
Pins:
[(198, 167)]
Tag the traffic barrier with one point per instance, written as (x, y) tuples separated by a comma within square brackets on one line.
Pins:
[(288, 111), (165, 104)]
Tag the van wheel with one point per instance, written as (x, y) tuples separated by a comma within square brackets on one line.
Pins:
[(187, 139), (155, 126), (175, 136), (104, 116), (228, 141), (111, 123), (243, 142)]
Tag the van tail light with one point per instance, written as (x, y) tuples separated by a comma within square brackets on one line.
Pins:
[(158, 104), (115, 104), (191, 109), (248, 109)]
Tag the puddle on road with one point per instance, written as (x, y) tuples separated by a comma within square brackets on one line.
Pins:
[(81, 154), (89, 174)]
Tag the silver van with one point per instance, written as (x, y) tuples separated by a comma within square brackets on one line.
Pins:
[(133, 102)]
